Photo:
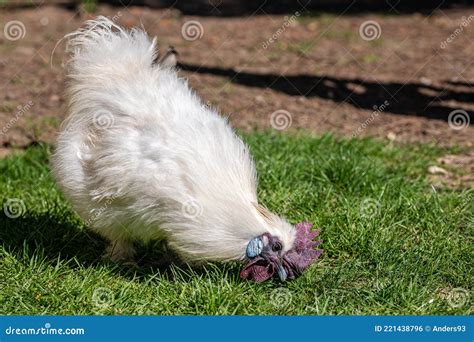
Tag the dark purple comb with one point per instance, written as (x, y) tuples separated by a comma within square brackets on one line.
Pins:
[(295, 261)]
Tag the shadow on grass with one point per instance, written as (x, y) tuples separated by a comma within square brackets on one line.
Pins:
[(53, 236), (57, 239)]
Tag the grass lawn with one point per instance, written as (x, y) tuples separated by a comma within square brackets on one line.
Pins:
[(392, 245)]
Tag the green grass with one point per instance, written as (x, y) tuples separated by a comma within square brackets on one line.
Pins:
[(89, 6), (392, 245), (371, 58)]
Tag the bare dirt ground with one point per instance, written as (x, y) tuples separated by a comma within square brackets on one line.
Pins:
[(410, 81)]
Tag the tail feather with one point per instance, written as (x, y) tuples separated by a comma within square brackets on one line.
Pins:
[(106, 72), (103, 46)]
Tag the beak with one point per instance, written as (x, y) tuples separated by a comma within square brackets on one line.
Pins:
[(281, 271)]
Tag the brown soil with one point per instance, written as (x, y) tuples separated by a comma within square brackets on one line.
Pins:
[(318, 68)]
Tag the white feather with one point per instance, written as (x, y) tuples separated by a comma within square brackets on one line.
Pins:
[(139, 153)]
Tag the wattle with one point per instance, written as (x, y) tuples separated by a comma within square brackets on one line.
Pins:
[(258, 270)]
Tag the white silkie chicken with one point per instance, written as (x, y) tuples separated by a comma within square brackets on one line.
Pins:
[(140, 157)]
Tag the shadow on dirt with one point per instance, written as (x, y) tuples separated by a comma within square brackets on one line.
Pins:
[(403, 98), (264, 7)]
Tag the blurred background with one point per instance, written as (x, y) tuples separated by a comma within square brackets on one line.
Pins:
[(396, 70)]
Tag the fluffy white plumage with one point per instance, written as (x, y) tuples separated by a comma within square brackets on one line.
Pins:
[(140, 156)]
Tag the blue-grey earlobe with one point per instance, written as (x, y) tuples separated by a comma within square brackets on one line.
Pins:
[(254, 248)]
